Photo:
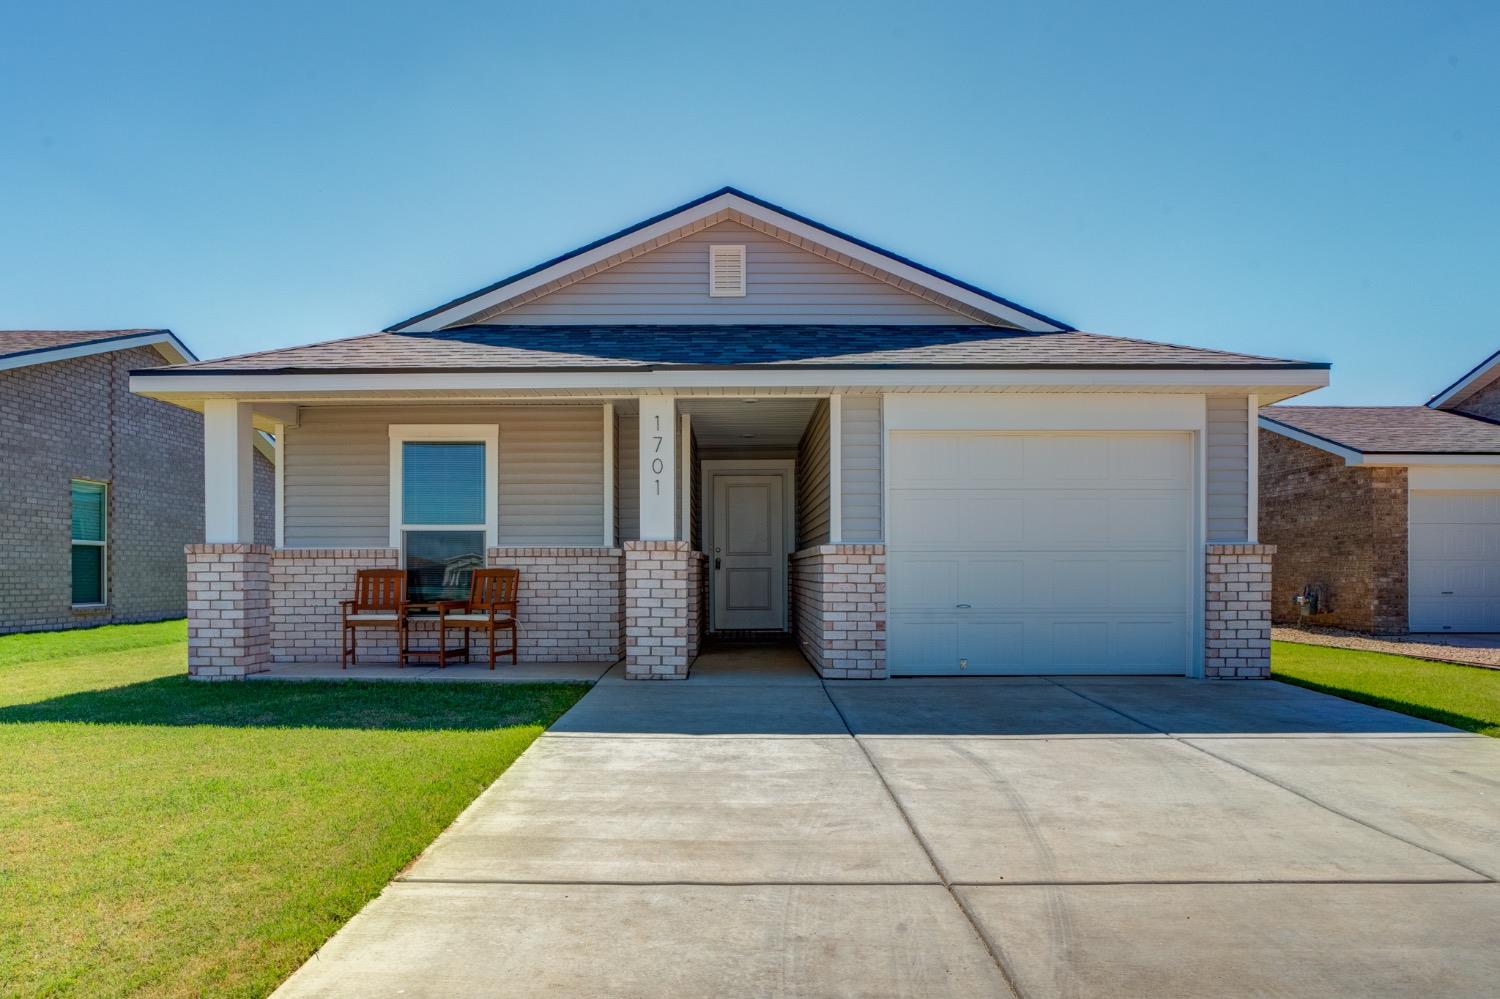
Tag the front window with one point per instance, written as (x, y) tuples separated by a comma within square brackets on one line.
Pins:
[(90, 539), (445, 496)]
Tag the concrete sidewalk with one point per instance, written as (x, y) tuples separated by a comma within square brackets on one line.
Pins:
[(764, 834)]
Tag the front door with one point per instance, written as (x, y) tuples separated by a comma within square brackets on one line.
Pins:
[(748, 556)]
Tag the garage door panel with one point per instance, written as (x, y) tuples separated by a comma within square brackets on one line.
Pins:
[(929, 459), (1076, 560), (1453, 559), (928, 520), (925, 583), (992, 519), (1064, 458)]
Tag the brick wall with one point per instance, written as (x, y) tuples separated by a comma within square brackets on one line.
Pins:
[(662, 580), (838, 609), (1340, 526), (306, 585), (228, 599), (571, 602), (77, 419), (1236, 614)]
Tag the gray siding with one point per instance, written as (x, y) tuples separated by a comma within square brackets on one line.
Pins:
[(628, 477), (551, 473), (1228, 479), (784, 284), (860, 468), (812, 481)]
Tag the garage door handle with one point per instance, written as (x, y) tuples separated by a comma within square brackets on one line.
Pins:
[(962, 606)]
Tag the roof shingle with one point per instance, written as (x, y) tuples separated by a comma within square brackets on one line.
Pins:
[(615, 347), (1391, 429)]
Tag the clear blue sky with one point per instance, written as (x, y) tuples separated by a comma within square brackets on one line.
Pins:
[(1315, 180)]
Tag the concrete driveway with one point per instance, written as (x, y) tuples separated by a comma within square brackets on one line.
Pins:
[(756, 832)]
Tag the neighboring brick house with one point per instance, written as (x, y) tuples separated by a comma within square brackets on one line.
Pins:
[(100, 490), (1389, 515), (730, 418)]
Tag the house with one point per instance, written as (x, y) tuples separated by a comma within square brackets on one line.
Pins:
[(730, 418), (1390, 514), (99, 489)]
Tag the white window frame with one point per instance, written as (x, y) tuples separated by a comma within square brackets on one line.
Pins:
[(487, 434), (102, 545)]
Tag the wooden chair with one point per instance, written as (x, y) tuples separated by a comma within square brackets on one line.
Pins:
[(379, 602), (491, 606)]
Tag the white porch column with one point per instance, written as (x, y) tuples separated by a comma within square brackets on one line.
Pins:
[(228, 472), (658, 468)]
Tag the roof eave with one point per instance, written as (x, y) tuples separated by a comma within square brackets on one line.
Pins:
[(173, 350), (1373, 457)]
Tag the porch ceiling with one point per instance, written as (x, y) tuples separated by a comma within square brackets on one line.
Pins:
[(765, 423)]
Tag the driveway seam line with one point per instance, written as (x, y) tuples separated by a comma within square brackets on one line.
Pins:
[(979, 931), (935, 884), (1275, 783)]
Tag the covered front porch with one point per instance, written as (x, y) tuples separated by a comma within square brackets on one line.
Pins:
[(640, 524)]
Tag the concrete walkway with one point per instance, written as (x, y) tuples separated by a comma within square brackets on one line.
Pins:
[(756, 832)]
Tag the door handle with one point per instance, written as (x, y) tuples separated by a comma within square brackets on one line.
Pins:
[(718, 563), (963, 606)]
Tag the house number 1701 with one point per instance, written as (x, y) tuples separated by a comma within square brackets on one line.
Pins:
[(657, 465)]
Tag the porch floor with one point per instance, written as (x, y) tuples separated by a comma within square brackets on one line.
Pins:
[(471, 672)]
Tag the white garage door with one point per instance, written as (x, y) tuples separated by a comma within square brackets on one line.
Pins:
[(1039, 553), (1454, 558)]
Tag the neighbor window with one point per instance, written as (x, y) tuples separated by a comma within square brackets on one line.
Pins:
[(442, 498), (90, 538)]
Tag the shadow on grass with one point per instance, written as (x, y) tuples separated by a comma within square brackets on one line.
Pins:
[(1484, 726), (178, 701)]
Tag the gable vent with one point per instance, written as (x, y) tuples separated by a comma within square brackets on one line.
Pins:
[(726, 271)]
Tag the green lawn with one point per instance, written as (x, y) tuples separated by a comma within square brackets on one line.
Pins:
[(171, 838), (1466, 697)]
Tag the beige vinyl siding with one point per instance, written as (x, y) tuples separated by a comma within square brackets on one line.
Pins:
[(812, 480), (1228, 479), (628, 477), (552, 476), (860, 468), (551, 473), (784, 284)]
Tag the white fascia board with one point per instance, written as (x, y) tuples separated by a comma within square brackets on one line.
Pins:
[(1461, 388), (1293, 381), (171, 348), (702, 211)]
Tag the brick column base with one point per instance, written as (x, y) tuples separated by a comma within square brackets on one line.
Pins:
[(838, 609), (229, 629), (1237, 612), (661, 609)]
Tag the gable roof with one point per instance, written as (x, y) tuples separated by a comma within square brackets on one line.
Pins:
[(1384, 430), (652, 348), (22, 348), (1475, 378), (728, 203)]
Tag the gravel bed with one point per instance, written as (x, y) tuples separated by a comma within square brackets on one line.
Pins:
[(1419, 647)]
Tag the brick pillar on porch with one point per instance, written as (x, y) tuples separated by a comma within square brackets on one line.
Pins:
[(229, 619), (660, 614), (838, 609), (1237, 612)]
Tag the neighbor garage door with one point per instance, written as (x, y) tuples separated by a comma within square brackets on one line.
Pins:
[(1039, 553), (1454, 558)]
